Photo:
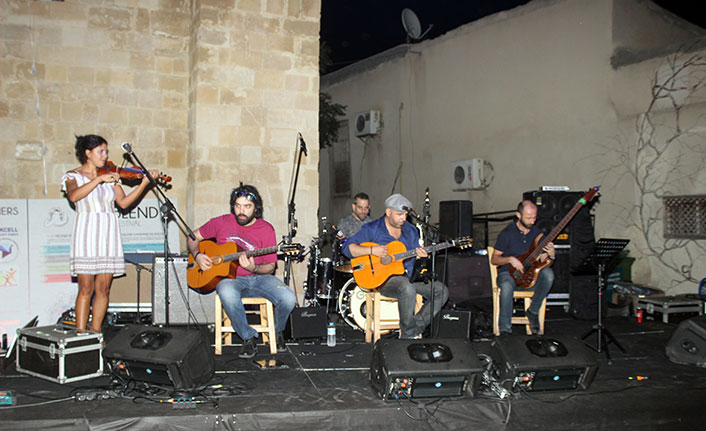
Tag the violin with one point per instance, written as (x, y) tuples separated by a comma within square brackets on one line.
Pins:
[(133, 173)]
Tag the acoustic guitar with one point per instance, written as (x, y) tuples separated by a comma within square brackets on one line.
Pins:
[(530, 259), (225, 262), (371, 271)]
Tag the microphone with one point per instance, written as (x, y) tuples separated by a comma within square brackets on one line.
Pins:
[(409, 210), (301, 139), (126, 147)]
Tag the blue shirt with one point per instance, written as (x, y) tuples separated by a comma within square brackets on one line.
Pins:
[(376, 231), (512, 242)]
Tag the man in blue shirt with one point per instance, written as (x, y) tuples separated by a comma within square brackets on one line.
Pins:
[(513, 241), (393, 226)]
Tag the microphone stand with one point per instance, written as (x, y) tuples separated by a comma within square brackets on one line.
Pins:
[(291, 220), (167, 208), (423, 223)]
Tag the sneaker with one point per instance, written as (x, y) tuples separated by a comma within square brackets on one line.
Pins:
[(505, 333), (281, 345), (249, 349), (533, 322)]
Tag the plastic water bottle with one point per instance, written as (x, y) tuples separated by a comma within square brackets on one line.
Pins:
[(331, 335)]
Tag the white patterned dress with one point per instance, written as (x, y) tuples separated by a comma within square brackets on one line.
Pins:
[(96, 247)]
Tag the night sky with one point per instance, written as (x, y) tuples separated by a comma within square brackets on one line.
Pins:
[(356, 29)]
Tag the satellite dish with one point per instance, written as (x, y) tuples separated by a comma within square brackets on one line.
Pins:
[(411, 25)]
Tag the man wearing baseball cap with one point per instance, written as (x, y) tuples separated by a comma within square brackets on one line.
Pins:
[(393, 226)]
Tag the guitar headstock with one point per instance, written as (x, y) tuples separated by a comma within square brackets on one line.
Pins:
[(293, 248), (590, 194), (463, 242)]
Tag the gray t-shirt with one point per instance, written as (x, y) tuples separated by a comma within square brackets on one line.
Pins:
[(349, 225)]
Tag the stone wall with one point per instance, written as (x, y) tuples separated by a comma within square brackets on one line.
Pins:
[(211, 92)]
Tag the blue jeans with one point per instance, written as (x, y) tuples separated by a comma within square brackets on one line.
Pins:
[(507, 285), (399, 286), (267, 286)]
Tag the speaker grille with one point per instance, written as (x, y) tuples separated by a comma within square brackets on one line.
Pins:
[(203, 306), (456, 218)]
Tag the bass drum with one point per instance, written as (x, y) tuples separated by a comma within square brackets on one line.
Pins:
[(351, 306)]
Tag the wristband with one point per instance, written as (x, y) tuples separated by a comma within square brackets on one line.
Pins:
[(197, 255)]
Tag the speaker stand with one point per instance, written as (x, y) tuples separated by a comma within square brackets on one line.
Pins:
[(603, 253)]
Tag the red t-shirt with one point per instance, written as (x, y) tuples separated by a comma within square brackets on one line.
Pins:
[(259, 235)]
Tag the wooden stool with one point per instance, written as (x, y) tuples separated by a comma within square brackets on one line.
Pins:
[(224, 328), (518, 293), (374, 323)]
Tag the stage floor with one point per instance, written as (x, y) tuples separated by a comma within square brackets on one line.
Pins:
[(320, 387)]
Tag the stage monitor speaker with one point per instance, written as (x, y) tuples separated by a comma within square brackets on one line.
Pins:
[(456, 219), (202, 305), (467, 276), (434, 368), (543, 363), (688, 343), (177, 357), (453, 324), (306, 322)]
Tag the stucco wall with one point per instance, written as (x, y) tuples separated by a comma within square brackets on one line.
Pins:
[(530, 90)]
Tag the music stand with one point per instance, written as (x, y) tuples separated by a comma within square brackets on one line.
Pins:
[(603, 253)]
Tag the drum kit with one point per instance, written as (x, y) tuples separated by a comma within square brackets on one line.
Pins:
[(330, 282)]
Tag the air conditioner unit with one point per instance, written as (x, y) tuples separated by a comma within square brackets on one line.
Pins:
[(467, 174), (367, 123)]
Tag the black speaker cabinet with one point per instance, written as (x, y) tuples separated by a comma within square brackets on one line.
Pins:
[(688, 343), (177, 357), (467, 277), (307, 322), (456, 218), (432, 368), (541, 364), (453, 324), (202, 305), (583, 297)]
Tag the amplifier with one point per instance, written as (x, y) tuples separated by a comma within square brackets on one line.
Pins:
[(434, 368), (202, 305), (541, 364), (177, 357), (453, 324), (306, 322)]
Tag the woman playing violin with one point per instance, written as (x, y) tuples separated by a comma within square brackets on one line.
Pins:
[(96, 250)]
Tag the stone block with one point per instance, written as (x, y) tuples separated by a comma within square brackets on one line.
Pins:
[(280, 42), (250, 5), (311, 9), (309, 46), (228, 96), (108, 18), (174, 101), (206, 94), (296, 82), (50, 35), (81, 75), (170, 23), (90, 112), (212, 37), (4, 109), (178, 119), (13, 32), (142, 61), (259, 23), (144, 80), (164, 64), (257, 41), (176, 159), (55, 73), (176, 138), (121, 78), (19, 90), (276, 61), (142, 21), (171, 83), (150, 99), (72, 111), (112, 114), (307, 102), (126, 97), (301, 28), (139, 117), (270, 79), (275, 6), (161, 119)]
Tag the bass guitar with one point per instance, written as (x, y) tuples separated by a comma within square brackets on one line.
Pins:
[(225, 262), (530, 259), (371, 271)]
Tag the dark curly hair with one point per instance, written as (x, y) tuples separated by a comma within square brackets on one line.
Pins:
[(251, 194), (87, 142)]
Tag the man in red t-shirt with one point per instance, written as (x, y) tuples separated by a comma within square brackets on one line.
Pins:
[(254, 277)]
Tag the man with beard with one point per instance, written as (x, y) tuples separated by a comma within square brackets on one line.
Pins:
[(513, 241), (393, 226), (351, 223), (254, 277)]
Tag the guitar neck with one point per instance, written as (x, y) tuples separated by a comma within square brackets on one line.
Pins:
[(251, 253), (555, 232), (429, 249)]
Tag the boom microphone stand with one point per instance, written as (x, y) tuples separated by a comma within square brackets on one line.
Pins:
[(167, 209), (291, 220)]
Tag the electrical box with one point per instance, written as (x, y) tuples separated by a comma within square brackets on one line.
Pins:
[(467, 174)]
